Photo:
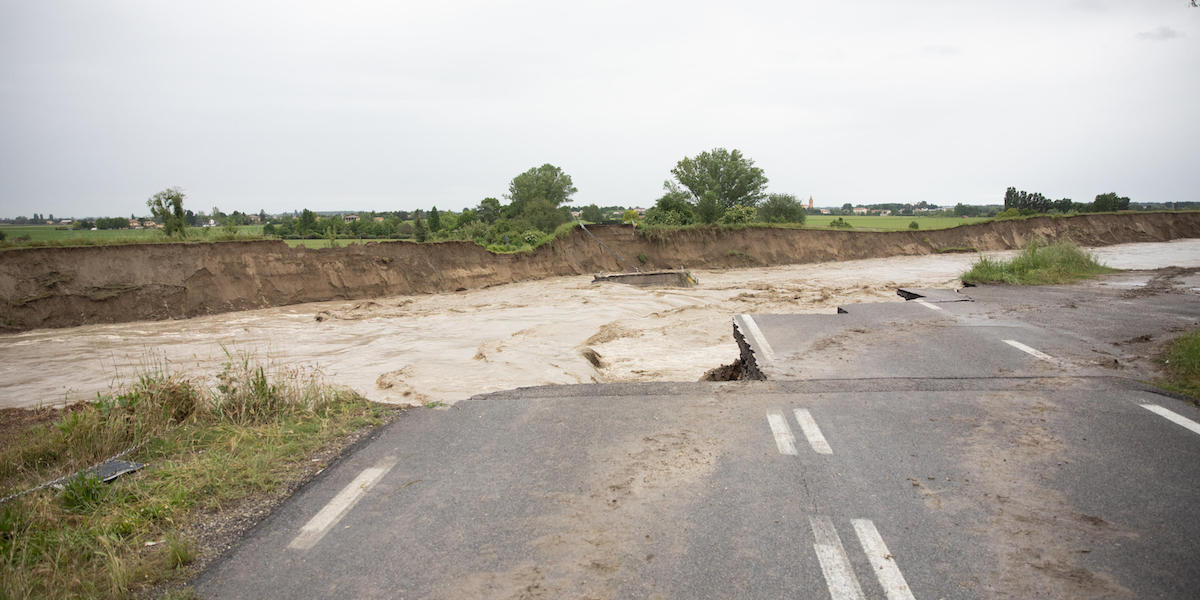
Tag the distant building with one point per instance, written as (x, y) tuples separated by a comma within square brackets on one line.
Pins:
[(378, 219), (135, 224), (810, 206), (349, 218), (824, 211), (860, 210)]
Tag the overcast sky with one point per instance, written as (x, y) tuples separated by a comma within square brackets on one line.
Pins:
[(402, 105)]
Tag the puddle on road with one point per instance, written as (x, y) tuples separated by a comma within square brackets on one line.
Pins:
[(448, 347)]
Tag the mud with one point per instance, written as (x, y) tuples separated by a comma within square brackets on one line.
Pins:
[(63, 287), (448, 347)]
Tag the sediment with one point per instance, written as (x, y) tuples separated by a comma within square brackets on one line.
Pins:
[(63, 287)]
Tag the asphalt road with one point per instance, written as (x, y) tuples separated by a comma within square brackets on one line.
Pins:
[(1004, 475)]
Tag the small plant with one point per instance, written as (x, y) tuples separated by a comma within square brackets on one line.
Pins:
[(83, 493), (642, 258), (179, 552), (840, 223), (914, 225)]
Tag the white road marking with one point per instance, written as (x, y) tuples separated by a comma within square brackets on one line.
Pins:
[(319, 525), (928, 305), (760, 340), (835, 565), (784, 440), (884, 564), (812, 432), (1173, 417), (1031, 351)]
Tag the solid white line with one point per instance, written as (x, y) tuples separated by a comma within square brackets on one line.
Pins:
[(835, 565), (319, 525), (784, 440), (812, 432), (1031, 351), (885, 565), (928, 305), (760, 340), (1173, 417)]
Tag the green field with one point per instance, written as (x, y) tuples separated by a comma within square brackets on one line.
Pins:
[(892, 223), (53, 235)]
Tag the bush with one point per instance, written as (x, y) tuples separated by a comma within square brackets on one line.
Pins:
[(840, 223), (738, 215), (914, 225)]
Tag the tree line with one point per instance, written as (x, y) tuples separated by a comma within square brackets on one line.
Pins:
[(1026, 203)]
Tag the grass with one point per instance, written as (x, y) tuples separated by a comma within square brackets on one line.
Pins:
[(207, 451), (1038, 264), (1181, 366), (891, 223), (25, 236)]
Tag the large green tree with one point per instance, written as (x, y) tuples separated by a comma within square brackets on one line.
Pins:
[(167, 208), (547, 182), (1110, 202), (489, 210), (732, 177), (535, 197)]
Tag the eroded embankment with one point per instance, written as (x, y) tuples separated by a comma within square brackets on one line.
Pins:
[(61, 287)]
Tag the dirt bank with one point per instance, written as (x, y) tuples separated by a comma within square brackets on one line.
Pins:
[(62, 287)]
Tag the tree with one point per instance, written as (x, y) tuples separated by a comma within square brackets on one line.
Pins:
[(419, 231), (435, 220), (466, 217), (308, 223), (167, 208), (673, 208), (708, 209), (781, 208), (1110, 202), (732, 177), (489, 210), (546, 182), (591, 213), (1026, 202)]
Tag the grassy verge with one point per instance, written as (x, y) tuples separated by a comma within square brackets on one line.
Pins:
[(1181, 366), (210, 453), (1038, 264)]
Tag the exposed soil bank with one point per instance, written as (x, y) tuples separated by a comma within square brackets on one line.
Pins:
[(62, 287)]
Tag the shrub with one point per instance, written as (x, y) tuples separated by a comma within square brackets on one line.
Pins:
[(914, 225), (738, 215)]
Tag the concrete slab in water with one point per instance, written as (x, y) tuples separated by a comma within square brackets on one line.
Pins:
[(650, 279)]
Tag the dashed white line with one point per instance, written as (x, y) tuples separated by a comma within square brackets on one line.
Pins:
[(811, 431), (784, 440), (928, 305), (882, 561), (760, 340), (1173, 417), (835, 565), (1031, 351), (319, 525)]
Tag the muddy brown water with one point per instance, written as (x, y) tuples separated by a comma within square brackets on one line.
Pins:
[(448, 347)]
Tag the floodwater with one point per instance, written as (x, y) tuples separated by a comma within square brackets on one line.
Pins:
[(449, 347)]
